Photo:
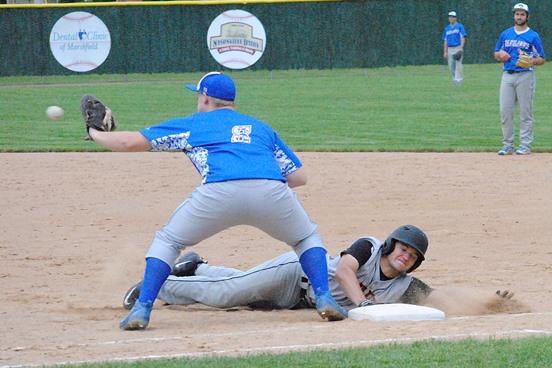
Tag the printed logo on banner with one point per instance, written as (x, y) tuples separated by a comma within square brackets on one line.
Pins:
[(80, 41), (236, 39)]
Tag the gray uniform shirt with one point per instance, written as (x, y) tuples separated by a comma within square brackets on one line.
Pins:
[(375, 286)]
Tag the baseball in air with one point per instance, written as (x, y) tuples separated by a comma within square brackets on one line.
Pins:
[(54, 112)]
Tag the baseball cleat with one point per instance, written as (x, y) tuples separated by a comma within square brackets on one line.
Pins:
[(522, 150), (138, 318), (506, 150), (132, 296), (187, 264), (328, 308), (505, 294)]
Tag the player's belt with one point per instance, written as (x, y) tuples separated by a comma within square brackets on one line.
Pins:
[(303, 293), (304, 301), (516, 71), (304, 286)]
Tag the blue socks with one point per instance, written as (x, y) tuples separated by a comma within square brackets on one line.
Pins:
[(314, 265), (155, 276)]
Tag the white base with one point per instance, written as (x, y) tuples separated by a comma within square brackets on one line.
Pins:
[(396, 312)]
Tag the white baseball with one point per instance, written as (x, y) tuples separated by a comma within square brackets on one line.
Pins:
[(54, 112)]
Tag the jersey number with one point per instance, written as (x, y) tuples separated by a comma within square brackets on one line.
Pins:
[(240, 134)]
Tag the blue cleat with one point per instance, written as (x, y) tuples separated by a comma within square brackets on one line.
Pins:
[(138, 318), (328, 308), (522, 150), (506, 150)]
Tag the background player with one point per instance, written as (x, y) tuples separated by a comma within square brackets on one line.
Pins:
[(369, 271), (454, 39), (518, 82), (247, 174)]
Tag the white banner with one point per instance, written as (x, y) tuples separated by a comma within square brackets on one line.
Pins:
[(236, 39), (80, 41)]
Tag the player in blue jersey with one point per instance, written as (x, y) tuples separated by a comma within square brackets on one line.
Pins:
[(454, 39), (518, 81), (247, 174)]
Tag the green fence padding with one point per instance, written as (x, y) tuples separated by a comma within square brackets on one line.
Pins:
[(164, 37)]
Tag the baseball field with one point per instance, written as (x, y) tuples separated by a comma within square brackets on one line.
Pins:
[(383, 147)]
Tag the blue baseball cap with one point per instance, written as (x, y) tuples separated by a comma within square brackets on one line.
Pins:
[(217, 85)]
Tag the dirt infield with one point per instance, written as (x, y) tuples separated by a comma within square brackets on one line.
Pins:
[(74, 228)]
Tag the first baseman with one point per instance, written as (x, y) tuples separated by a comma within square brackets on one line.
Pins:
[(247, 174), (520, 49)]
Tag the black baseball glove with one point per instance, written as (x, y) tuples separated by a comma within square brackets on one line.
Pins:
[(96, 115), (458, 55)]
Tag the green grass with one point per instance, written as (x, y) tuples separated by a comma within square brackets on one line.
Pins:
[(385, 109), (469, 353)]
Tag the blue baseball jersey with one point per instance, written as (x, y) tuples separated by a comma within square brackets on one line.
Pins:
[(226, 145), (512, 41), (453, 35)]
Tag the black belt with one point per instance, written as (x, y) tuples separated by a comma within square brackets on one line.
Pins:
[(516, 71), (304, 302), (304, 287)]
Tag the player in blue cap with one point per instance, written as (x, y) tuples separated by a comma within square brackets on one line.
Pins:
[(247, 174)]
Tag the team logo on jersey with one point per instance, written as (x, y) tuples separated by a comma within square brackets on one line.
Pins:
[(240, 134), (517, 43)]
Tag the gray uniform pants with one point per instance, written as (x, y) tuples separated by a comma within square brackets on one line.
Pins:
[(268, 205), (456, 67), (517, 88), (276, 282)]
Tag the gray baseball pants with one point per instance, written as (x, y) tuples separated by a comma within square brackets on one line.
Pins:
[(268, 205), (276, 282), (517, 88), (456, 67)]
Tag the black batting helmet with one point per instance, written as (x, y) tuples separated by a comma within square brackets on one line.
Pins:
[(411, 236)]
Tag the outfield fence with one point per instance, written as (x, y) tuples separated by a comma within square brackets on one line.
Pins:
[(171, 36)]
